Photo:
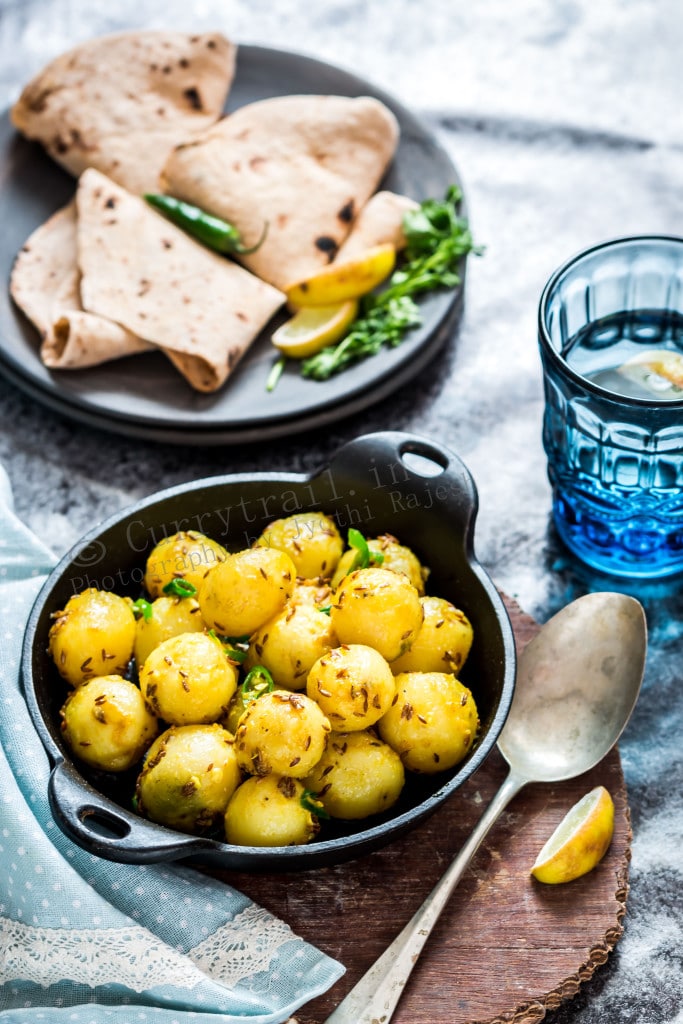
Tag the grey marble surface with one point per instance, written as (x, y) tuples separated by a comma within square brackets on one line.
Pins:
[(564, 120)]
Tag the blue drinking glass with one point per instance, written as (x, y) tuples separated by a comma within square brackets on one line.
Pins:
[(611, 344)]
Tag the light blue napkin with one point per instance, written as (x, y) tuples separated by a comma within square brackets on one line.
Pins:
[(89, 941)]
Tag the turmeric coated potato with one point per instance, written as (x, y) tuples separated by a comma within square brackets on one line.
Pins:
[(433, 723), (167, 617), (281, 732), (443, 642), (290, 643), (248, 588), (379, 608), (315, 591), (107, 724), (357, 776), (188, 679), (189, 775), (354, 686), (311, 539), (185, 555), (93, 635), (269, 811), (394, 556)]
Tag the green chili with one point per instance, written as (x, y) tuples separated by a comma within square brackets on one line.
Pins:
[(257, 682), (180, 588), (364, 556), (142, 609), (214, 232), (235, 647), (311, 802)]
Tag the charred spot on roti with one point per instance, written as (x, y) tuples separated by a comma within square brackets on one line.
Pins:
[(345, 215), (61, 331), (193, 98), (183, 62), (110, 203), (328, 245), (257, 161), (167, 243)]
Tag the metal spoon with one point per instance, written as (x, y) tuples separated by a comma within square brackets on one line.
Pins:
[(577, 683)]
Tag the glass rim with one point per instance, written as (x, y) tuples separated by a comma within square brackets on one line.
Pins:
[(560, 362)]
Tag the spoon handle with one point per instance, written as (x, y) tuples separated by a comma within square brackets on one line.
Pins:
[(375, 997)]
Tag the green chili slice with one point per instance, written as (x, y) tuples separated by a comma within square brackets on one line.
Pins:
[(326, 609), (234, 647), (180, 588), (311, 802), (142, 609), (257, 682), (214, 232)]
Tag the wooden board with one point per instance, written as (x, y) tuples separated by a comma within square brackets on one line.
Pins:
[(507, 948)]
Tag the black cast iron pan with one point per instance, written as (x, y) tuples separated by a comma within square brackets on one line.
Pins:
[(383, 482)]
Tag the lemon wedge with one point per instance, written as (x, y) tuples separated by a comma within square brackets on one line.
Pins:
[(348, 279), (580, 841), (313, 328)]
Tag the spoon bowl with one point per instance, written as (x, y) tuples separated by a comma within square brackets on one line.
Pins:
[(577, 683)]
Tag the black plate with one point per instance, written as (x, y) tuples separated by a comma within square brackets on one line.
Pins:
[(144, 396), (373, 483)]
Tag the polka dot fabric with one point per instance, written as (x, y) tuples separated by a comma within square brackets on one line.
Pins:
[(88, 941)]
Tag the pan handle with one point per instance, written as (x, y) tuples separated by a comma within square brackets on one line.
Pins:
[(414, 472), (101, 827)]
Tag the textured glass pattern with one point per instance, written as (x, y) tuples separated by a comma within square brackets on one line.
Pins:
[(615, 463)]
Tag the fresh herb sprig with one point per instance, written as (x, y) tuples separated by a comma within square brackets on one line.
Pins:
[(437, 238)]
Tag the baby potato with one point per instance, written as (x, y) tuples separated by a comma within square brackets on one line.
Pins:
[(354, 686), (93, 635), (357, 776), (395, 556), (268, 811), (290, 643), (315, 591), (184, 555), (169, 616), (443, 642), (189, 775), (379, 608), (188, 679), (107, 724), (281, 732), (433, 723), (248, 588), (311, 539)]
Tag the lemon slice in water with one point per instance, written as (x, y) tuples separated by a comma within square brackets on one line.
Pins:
[(313, 328), (658, 371), (580, 841), (348, 279)]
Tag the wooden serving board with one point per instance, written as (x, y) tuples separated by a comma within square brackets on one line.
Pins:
[(507, 948)]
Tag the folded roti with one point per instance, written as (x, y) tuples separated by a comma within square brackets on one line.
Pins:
[(152, 278), (45, 284), (304, 164), (120, 103), (380, 221)]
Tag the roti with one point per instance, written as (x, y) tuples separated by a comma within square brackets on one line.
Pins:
[(149, 276), (45, 284), (380, 221), (120, 103), (303, 165)]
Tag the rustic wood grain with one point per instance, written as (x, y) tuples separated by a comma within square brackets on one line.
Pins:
[(506, 948)]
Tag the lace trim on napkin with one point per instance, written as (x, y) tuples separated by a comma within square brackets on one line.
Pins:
[(136, 958)]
